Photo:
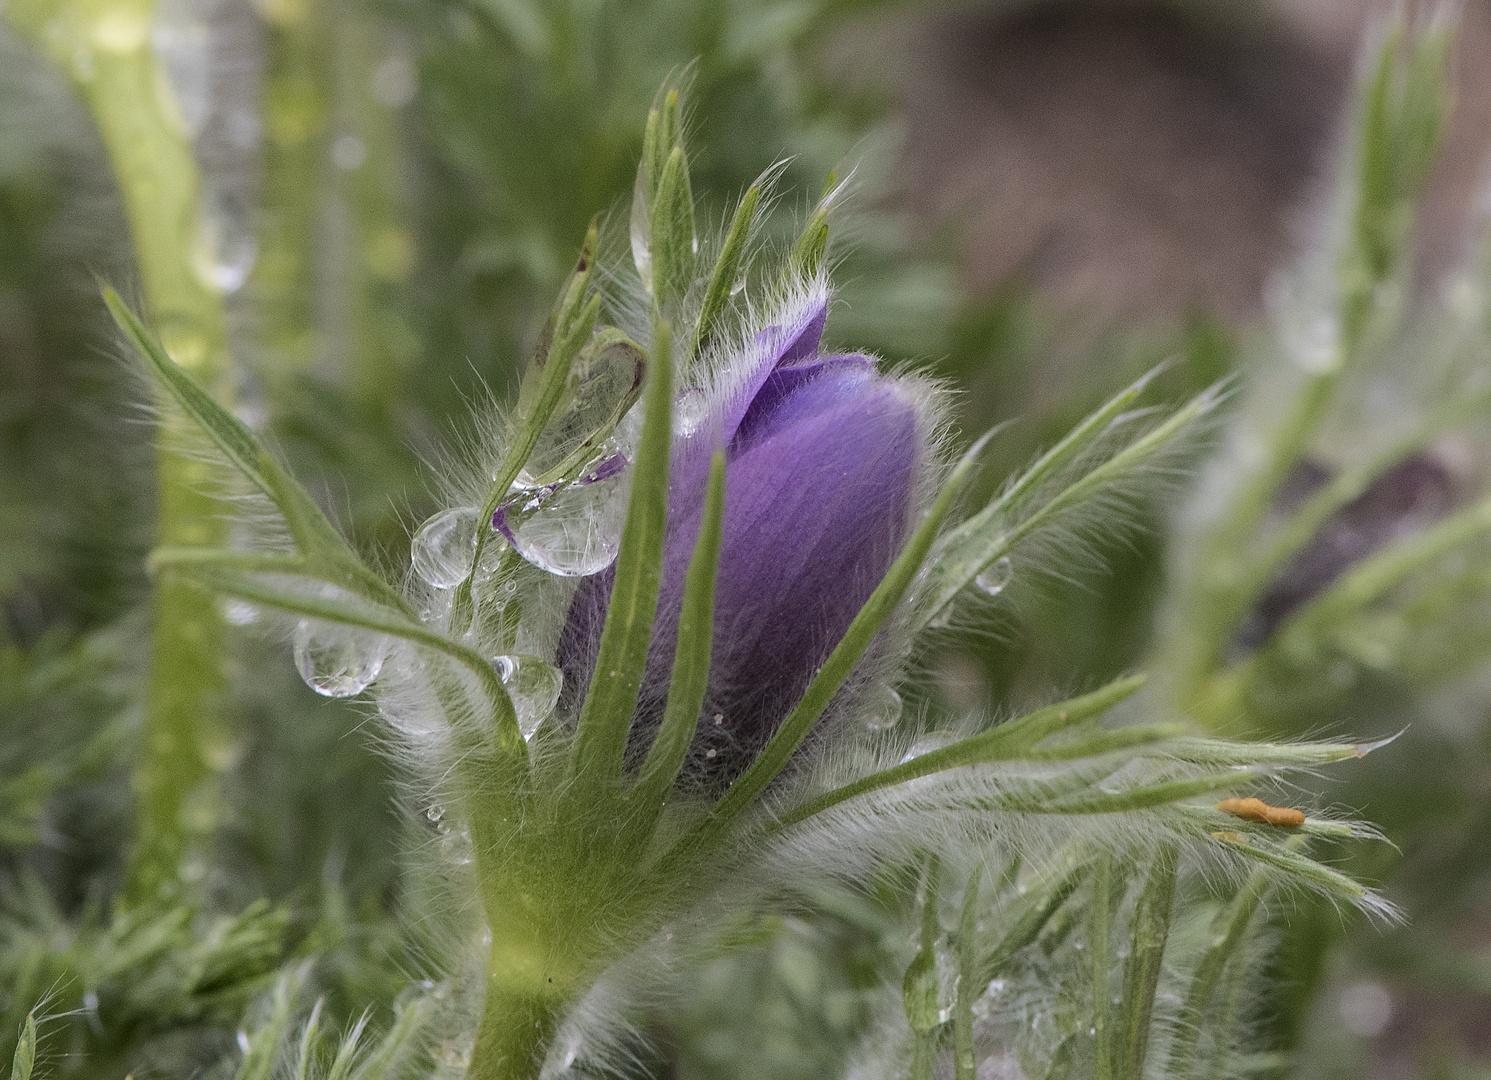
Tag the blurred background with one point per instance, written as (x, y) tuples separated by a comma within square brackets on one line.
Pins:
[(1050, 198)]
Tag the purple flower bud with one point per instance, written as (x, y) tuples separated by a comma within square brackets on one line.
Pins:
[(823, 454)]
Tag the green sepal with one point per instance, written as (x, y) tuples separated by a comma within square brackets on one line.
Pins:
[(690, 678)]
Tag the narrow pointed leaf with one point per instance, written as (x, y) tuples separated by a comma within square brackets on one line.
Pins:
[(605, 718), (25, 1056), (241, 576), (1009, 741), (544, 388), (690, 677), (726, 268), (315, 536), (850, 649), (1141, 974)]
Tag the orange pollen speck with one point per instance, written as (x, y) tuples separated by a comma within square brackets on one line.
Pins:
[(1259, 811)]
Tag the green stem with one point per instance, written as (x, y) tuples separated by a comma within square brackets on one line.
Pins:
[(965, 1059), (104, 45), (297, 114)]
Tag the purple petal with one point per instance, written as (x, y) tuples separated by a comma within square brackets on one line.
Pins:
[(818, 492)]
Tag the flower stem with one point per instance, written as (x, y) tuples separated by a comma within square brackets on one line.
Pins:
[(104, 46)]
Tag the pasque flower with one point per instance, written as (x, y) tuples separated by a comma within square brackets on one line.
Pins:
[(823, 457)]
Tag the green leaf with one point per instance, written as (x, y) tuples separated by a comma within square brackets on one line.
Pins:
[(545, 385), (1227, 931), (690, 679), (606, 716), (965, 1060), (1009, 741), (920, 985), (1370, 579), (242, 576), (1027, 917), (315, 537), (1100, 936), (1004, 524), (263, 1045)]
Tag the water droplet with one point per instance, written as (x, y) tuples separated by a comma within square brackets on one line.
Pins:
[(575, 531), (455, 845), (994, 577), (444, 546), (224, 248), (394, 81), (883, 709), (348, 152), (1316, 348), (121, 29), (337, 664), (435, 812), (533, 684), (690, 409), (243, 1041), (183, 45), (240, 613), (603, 387)]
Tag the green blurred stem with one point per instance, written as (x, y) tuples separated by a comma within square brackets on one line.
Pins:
[(104, 46)]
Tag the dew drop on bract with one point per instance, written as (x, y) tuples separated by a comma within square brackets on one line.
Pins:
[(339, 664), (444, 546), (690, 409), (533, 684), (994, 577), (882, 709), (576, 531), (605, 381)]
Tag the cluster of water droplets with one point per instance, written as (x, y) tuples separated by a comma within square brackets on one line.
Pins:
[(569, 529), (337, 663)]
